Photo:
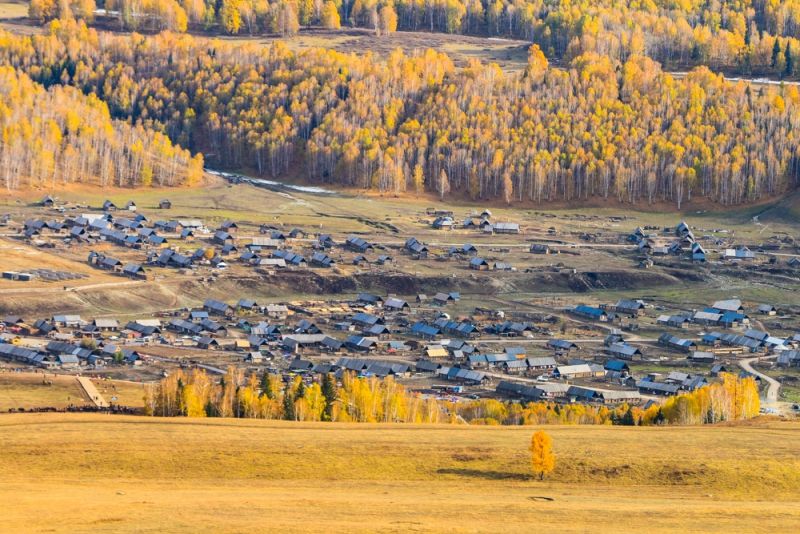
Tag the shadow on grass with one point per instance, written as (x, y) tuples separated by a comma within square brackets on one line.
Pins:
[(488, 475)]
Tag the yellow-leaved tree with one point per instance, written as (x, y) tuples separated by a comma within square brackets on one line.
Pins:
[(330, 16), (543, 461)]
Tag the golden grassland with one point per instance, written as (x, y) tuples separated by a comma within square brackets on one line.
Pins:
[(99, 473), (13, 9), (510, 54), (32, 390), (121, 392), (19, 256)]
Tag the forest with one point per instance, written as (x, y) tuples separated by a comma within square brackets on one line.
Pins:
[(61, 136), (374, 400), (597, 128), (742, 36)]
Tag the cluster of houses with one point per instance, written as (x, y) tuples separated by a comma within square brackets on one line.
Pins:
[(681, 241), (613, 375), (675, 241), (383, 336), (444, 220), (130, 231), (610, 313), (161, 239), (373, 335), (722, 314), (568, 393), (66, 355), (168, 244)]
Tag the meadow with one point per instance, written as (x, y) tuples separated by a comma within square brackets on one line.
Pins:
[(100, 473), (509, 54), (33, 390), (39, 390)]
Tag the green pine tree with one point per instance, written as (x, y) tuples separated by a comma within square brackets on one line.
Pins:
[(288, 404), (776, 50), (628, 419), (329, 392), (788, 69)]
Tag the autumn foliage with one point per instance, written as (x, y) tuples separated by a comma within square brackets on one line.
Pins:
[(746, 36), (373, 400), (195, 394), (543, 460), (730, 399), (60, 136), (597, 129)]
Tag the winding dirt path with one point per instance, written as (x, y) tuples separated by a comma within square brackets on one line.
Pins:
[(773, 386)]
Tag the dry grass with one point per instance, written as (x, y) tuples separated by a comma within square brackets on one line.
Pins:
[(116, 474), (37, 390), (13, 9), (18, 256), (31, 390), (121, 392), (510, 54)]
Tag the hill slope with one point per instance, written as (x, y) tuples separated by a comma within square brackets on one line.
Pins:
[(592, 131), (100, 473)]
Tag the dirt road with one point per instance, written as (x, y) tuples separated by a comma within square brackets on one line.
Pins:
[(61, 288), (91, 390), (773, 386)]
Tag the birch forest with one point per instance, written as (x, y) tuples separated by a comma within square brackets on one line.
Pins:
[(60, 136), (374, 400), (597, 128), (743, 36)]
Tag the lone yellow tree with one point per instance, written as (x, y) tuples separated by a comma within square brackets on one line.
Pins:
[(543, 460)]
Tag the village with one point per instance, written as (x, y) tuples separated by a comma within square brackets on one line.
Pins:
[(450, 341)]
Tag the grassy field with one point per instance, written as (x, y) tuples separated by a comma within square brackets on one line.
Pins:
[(34, 390), (13, 9), (19, 256), (121, 392), (31, 390), (100, 473), (509, 54)]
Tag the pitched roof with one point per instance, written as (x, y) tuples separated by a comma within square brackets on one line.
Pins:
[(728, 305)]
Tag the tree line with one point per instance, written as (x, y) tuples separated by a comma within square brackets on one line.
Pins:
[(733, 398), (61, 136), (745, 36), (598, 128), (373, 400)]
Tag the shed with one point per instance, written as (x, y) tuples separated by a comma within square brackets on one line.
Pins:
[(479, 264)]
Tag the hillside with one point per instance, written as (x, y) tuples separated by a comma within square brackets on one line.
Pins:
[(55, 137), (745, 37), (102, 473), (596, 129)]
